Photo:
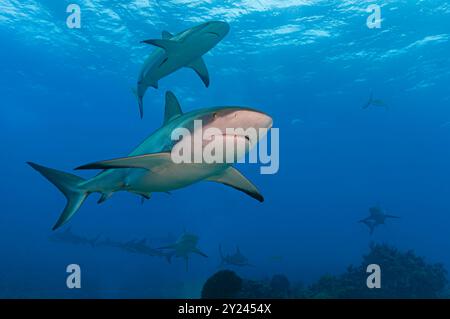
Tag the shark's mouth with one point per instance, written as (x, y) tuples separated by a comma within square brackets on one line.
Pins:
[(213, 33), (247, 138)]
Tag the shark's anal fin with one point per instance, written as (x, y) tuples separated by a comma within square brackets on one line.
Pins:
[(167, 45), (233, 178), (173, 108), (147, 161), (200, 68), (166, 35)]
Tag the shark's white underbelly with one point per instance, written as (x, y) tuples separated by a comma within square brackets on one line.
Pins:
[(171, 177)]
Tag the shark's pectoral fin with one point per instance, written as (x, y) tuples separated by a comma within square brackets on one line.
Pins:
[(391, 216), (173, 108), (233, 178), (199, 252), (166, 35), (147, 161), (200, 68), (167, 45)]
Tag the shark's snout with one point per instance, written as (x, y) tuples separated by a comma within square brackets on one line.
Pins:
[(217, 28)]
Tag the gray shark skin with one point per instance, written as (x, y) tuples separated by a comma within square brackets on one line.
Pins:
[(237, 259), (183, 248), (149, 168), (174, 52), (376, 218)]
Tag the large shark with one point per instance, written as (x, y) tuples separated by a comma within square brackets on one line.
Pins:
[(174, 52), (236, 259), (150, 168), (183, 247)]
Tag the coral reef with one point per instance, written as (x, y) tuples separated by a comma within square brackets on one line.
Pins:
[(404, 275), (223, 284)]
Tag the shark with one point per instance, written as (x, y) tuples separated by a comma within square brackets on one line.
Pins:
[(183, 248), (237, 259), (68, 236), (174, 52), (133, 246), (374, 102), (377, 217), (149, 168), (141, 247)]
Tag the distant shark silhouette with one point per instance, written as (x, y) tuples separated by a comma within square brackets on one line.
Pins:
[(68, 236), (133, 246), (177, 51), (374, 102), (377, 217), (183, 248), (150, 168), (236, 259), (141, 247)]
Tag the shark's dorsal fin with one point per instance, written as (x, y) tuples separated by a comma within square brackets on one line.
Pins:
[(166, 35), (233, 178), (165, 44), (200, 68), (173, 108)]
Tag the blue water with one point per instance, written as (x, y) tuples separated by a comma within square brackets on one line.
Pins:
[(311, 64)]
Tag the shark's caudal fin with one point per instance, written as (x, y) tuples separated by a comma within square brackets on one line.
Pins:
[(69, 185), (140, 102)]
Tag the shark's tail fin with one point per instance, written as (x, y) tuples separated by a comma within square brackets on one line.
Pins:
[(69, 185), (140, 102)]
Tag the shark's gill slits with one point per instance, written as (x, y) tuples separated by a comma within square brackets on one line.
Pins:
[(164, 61)]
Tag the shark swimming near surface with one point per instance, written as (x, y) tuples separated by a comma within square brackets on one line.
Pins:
[(236, 259), (377, 217), (174, 52), (374, 102), (183, 248), (150, 168)]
